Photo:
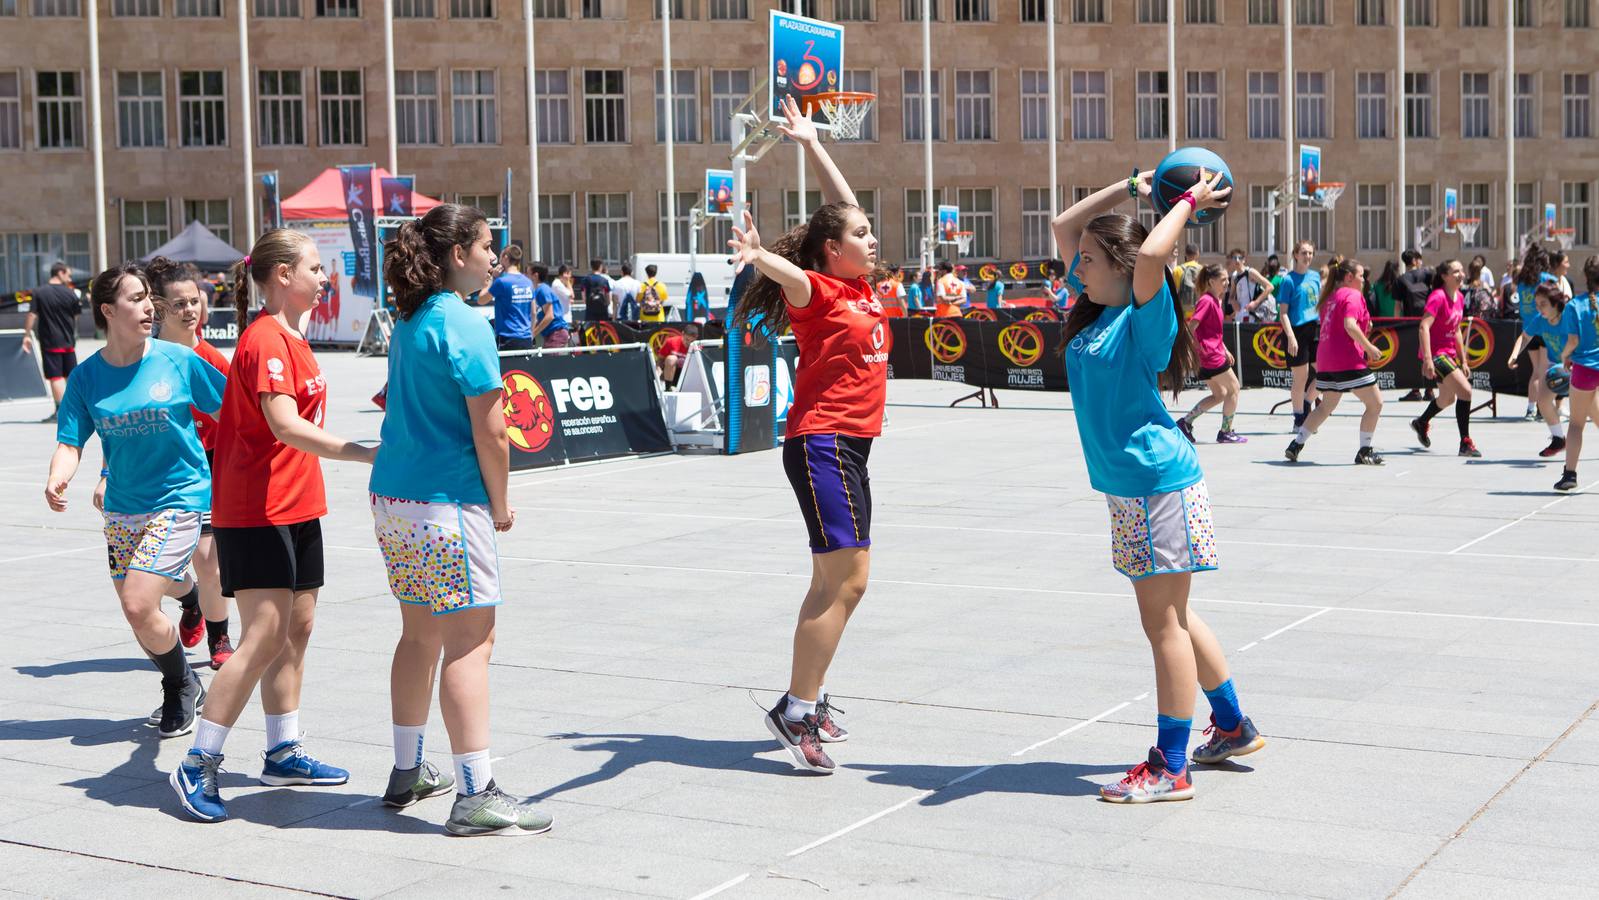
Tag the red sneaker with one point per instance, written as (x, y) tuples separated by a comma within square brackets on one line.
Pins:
[(801, 739), (1149, 782), (827, 728), (1557, 445), (381, 398), (220, 651), (191, 626)]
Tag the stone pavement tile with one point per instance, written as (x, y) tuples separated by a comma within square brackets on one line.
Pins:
[(1542, 809), (1553, 865), (468, 881), (1263, 833), (860, 863), (58, 786), (1581, 746), (1441, 884), (50, 873), (768, 883), (1108, 884), (608, 867), (319, 868), (690, 832)]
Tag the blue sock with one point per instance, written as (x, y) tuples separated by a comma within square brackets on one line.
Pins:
[(1173, 741), (1224, 705)]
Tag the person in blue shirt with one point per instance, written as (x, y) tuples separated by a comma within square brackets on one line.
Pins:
[(697, 302), (136, 394), (1536, 341), (554, 324), (513, 303), (439, 493), (1125, 339), (1578, 328), (1301, 326)]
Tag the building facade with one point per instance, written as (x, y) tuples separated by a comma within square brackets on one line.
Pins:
[(172, 113)]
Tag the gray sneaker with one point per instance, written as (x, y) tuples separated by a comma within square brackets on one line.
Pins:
[(407, 786), (181, 706), (495, 812), (155, 716)]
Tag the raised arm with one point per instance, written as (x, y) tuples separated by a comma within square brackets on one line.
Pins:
[(1150, 271), (1068, 226), (799, 128), (747, 249)]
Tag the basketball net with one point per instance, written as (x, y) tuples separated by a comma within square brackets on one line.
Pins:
[(1468, 230), (845, 110), (1329, 192), (963, 241), (1566, 237)]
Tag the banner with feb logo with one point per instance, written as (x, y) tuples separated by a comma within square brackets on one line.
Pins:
[(582, 406)]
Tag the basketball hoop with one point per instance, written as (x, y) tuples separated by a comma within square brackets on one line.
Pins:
[(845, 110), (1565, 236), (964, 240), (1467, 229), (1328, 192)]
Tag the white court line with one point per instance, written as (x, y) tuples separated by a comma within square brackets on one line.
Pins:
[(730, 883), (874, 817), (51, 553), (1246, 646), (1083, 724), (1320, 612), (1555, 502)]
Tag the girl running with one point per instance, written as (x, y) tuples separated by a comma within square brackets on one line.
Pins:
[(1341, 360), (1534, 272), (1443, 357), (1215, 360), (137, 394), (1297, 316), (268, 511), (181, 305), (815, 279), (439, 493), (1578, 328), (1125, 339)]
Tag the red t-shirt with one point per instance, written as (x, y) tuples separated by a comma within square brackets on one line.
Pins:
[(842, 381), (258, 480), (204, 425), (672, 346)]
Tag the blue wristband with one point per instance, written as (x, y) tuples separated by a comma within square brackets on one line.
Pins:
[(105, 472)]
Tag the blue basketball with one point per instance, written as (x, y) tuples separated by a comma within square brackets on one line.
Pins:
[(1179, 172), (1559, 380)]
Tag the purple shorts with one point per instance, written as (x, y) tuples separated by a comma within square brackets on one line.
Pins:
[(1584, 378), (828, 474)]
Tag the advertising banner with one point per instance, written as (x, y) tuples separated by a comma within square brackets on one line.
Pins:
[(584, 406), (1488, 344), (20, 377), (271, 202), (341, 316), (363, 232), (397, 194)]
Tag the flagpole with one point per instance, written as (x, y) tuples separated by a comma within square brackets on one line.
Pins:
[(246, 117), (670, 94), (1054, 120), (532, 133), (388, 67), (96, 148)]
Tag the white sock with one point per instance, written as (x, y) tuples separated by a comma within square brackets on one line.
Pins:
[(472, 772), (282, 728), (1365, 438), (797, 709), (408, 745), (1302, 434), (1558, 429), (209, 737)]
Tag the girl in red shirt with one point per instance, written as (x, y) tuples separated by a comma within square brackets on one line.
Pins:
[(815, 279), (267, 505)]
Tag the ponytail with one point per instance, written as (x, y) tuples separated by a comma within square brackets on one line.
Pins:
[(804, 246), (415, 259), (1336, 273), (277, 247)]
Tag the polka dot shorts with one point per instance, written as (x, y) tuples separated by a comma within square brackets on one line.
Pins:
[(439, 555), (160, 542), (1163, 534)]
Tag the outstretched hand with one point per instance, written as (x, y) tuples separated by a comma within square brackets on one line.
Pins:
[(796, 126), (1206, 195), (746, 242), (1146, 183)]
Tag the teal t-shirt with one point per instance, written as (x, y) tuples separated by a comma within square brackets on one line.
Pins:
[(1578, 319), (438, 357), (1532, 321), (1130, 442), (146, 428), (1300, 295)]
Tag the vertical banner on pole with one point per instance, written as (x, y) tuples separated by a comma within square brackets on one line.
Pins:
[(1549, 213), (397, 192), (271, 205), (1451, 209), (357, 182)]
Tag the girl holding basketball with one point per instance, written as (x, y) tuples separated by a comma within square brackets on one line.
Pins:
[(1342, 358), (1534, 273), (1125, 340), (1443, 356), (1215, 360), (816, 278), (1577, 334)]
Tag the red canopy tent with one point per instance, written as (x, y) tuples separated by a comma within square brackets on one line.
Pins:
[(323, 198)]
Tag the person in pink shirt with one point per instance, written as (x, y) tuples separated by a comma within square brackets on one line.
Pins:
[(1342, 359), (1215, 362), (1443, 356)]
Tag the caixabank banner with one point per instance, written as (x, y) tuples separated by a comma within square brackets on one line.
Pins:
[(1262, 351), (1020, 355), (573, 407)]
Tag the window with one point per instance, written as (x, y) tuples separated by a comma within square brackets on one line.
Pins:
[(917, 221), (1264, 12), (793, 215), (868, 204), (1576, 105), (10, 111), (1476, 106), (136, 8), (1204, 105), (1418, 212), (730, 10), (1526, 105), (729, 87), (1037, 211), (1150, 12), (25, 259), (685, 106), (487, 204), (341, 107), (974, 105), (1371, 216), (1088, 12), (1200, 12), (277, 9), (144, 227), (1153, 105), (280, 107), (1419, 13), (861, 80), (1260, 221), (338, 9), (681, 218), (852, 11), (1578, 15), (1574, 203), (1035, 105), (1310, 105), (58, 110), (972, 11), (547, 9), (1476, 202), (215, 215), (419, 9), (1314, 224), (604, 111), (557, 229), (1034, 11), (1310, 12), (416, 107), (1371, 12), (7, 8), (474, 113), (141, 110), (911, 109), (199, 9), (977, 216), (1527, 213), (1418, 105), (1265, 106), (554, 89), (51, 9), (1526, 14), (911, 10), (1474, 14), (471, 9), (1090, 106), (610, 230), (1371, 104), (603, 9), (690, 9)]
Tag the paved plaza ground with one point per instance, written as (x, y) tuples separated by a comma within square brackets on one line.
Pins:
[(1417, 642)]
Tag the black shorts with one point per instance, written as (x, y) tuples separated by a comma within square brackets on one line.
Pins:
[(1535, 344), (1308, 336), (58, 365), (1342, 382), (514, 343), (270, 557), (597, 311), (1208, 374), (828, 474)]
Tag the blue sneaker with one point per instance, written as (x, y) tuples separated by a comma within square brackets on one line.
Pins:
[(287, 763), (1241, 741), (195, 782)]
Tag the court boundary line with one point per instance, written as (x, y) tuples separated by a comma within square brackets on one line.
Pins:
[(1513, 523)]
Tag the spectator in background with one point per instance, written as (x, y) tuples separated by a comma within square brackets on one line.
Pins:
[(951, 292), (891, 290), (595, 290), (1249, 292), (624, 295), (555, 317), (1482, 299), (513, 303), (1415, 286), (960, 272), (54, 318), (1187, 274), (1559, 265), (562, 284), (697, 303), (929, 292), (1386, 290), (652, 297), (673, 352), (913, 293), (1479, 264)]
